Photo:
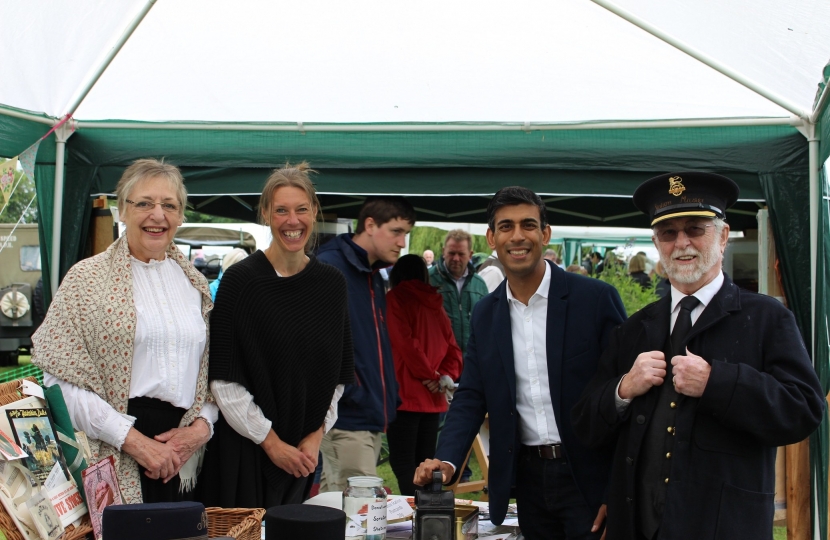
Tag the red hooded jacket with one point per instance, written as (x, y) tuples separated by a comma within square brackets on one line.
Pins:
[(422, 343)]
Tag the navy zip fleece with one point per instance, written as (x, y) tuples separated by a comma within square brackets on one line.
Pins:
[(370, 403)]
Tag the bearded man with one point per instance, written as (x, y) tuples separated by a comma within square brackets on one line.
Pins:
[(698, 389)]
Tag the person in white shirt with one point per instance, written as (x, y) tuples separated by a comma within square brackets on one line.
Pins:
[(126, 339), (534, 344)]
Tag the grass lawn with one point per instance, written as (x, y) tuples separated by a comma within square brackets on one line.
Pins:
[(21, 361)]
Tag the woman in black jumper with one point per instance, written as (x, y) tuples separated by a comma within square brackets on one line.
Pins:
[(280, 354)]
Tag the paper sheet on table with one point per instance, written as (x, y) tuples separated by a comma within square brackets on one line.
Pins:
[(398, 508)]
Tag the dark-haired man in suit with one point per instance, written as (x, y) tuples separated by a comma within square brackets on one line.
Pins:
[(534, 344)]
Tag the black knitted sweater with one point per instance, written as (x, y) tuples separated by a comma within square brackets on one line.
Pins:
[(287, 340)]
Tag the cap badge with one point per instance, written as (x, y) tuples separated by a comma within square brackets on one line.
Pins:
[(675, 186)]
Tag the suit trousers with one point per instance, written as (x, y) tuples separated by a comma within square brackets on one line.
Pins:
[(549, 502)]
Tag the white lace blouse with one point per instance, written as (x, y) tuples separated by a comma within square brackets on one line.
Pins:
[(169, 340)]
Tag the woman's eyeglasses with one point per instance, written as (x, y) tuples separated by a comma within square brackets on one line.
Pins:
[(147, 206), (692, 230)]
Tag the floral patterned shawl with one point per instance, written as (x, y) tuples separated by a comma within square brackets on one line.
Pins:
[(87, 340)]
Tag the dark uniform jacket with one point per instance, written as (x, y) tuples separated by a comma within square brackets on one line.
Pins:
[(762, 393), (582, 313)]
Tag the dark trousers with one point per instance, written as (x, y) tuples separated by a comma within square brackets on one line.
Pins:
[(549, 502), (154, 417), (412, 438)]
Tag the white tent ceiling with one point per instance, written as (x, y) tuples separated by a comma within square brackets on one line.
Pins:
[(382, 61)]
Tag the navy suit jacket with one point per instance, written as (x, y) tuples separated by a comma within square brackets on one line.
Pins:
[(582, 312)]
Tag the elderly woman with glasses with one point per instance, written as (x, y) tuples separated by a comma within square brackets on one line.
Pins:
[(126, 339)]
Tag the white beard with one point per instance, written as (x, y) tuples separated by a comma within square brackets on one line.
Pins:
[(688, 274)]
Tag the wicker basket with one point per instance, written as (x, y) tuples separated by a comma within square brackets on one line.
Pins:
[(239, 523), (9, 393)]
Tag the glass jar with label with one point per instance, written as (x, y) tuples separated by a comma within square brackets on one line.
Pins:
[(364, 503)]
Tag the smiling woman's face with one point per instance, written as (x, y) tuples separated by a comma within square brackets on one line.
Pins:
[(291, 219), (150, 232)]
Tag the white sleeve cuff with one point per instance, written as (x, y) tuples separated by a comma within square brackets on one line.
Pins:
[(115, 428), (210, 412), (331, 414), (451, 465), (622, 404), (240, 411)]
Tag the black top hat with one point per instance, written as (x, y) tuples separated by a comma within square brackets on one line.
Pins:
[(304, 521), (159, 521), (684, 194)]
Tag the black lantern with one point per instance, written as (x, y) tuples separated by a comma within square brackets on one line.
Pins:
[(434, 512)]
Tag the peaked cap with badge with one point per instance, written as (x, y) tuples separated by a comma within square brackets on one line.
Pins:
[(685, 194)]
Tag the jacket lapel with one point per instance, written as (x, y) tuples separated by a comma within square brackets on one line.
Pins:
[(656, 326), (503, 334), (555, 336), (725, 300)]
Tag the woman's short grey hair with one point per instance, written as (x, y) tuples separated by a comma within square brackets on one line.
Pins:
[(145, 169)]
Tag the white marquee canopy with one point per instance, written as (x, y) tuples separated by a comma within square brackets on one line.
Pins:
[(380, 61)]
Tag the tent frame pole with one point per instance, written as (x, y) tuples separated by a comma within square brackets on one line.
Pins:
[(813, 160), (110, 57), (793, 121), (62, 134), (759, 89)]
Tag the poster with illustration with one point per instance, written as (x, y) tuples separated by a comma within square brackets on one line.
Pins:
[(33, 432), (101, 487)]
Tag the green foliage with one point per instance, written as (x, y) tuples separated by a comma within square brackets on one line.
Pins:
[(423, 238), (633, 296), (23, 193)]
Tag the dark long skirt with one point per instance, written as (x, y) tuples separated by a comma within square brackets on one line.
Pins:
[(154, 417), (233, 477)]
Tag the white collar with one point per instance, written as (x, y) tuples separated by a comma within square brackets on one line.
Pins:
[(151, 262), (544, 287), (704, 294), (465, 274)]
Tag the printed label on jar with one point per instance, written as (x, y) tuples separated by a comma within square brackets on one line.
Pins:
[(376, 520)]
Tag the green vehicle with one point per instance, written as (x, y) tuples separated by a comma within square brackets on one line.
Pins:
[(21, 298)]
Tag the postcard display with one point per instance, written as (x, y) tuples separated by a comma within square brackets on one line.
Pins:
[(38, 489)]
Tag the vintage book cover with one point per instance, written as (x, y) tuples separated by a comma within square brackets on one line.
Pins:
[(101, 488), (33, 431), (46, 519)]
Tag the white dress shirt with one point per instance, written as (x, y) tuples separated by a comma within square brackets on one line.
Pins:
[(528, 325), (245, 416), (705, 295), (170, 338), (459, 282)]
